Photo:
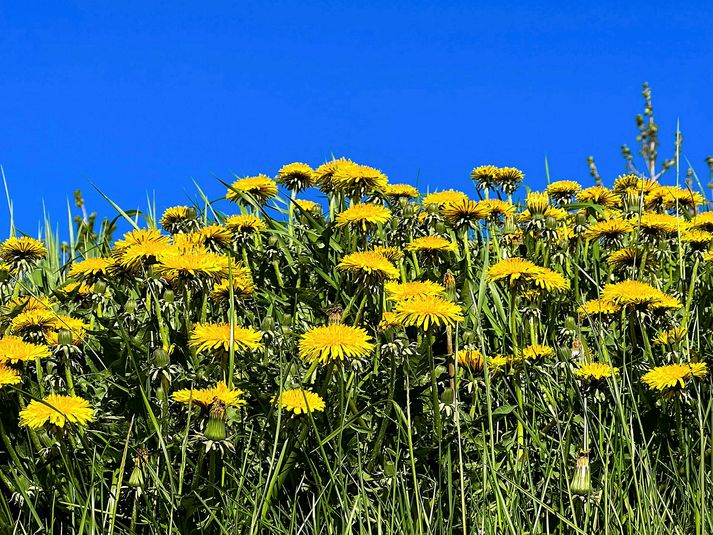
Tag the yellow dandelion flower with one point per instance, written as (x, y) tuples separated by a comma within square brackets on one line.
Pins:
[(513, 270), (595, 371), (308, 206), (628, 257), (334, 343), (672, 376), (215, 237), (243, 286), (261, 187), (355, 180), (296, 176), (244, 224), (598, 306), (440, 198), (668, 197), (369, 266), (509, 178), (57, 411), (666, 302), (33, 321), (697, 238), (498, 209), (365, 216), (549, 280), (392, 254), (499, 363), (188, 242), (703, 221), (537, 202), (91, 269), (138, 256), (608, 229), (425, 311), (215, 338), (550, 212), (537, 352), (388, 321), (464, 212), (299, 401), (30, 302), (672, 336), (22, 253), (652, 223), (140, 237), (15, 349), (432, 244), (485, 176), (230, 397), (179, 266), (407, 290), (636, 294), (8, 376), (74, 289), (563, 189), (633, 184), (176, 216), (325, 172), (472, 359), (405, 191), (599, 195)]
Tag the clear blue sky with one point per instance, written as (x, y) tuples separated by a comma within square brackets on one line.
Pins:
[(147, 96)]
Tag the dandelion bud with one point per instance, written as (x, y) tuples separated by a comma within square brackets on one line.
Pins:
[(99, 287), (580, 219), (268, 323), (130, 306), (409, 210), (551, 223), (136, 479), (440, 227), (582, 480), (449, 280), (64, 337), (215, 429), (570, 324), (448, 396), (273, 241), (169, 296), (334, 314), (161, 358)]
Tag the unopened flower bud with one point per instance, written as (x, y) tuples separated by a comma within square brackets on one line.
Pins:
[(169, 296), (64, 337), (99, 287), (570, 323), (582, 480), (440, 227), (161, 357), (449, 280), (268, 323), (130, 306), (215, 429)]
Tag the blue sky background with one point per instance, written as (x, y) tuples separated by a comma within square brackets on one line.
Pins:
[(138, 97)]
